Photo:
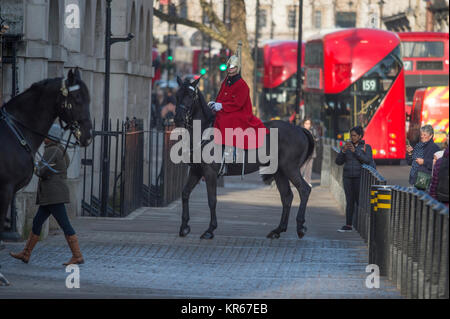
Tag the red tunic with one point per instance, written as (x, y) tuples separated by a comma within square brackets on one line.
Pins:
[(237, 112)]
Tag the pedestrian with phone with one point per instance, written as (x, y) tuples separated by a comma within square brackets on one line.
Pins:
[(353, 155), (420, 158)]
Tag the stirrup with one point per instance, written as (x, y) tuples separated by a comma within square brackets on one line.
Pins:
[(223, 167)]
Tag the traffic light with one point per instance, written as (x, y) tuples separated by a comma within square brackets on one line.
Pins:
[(223, 60), (169, 55), (203, 71)]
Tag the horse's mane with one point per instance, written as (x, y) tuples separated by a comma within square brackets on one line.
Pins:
[(46, 81), (209, 115), (37, 86)]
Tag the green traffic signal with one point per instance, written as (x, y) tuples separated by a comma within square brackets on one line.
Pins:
[(203, 71), (223, 67), (170, 58)]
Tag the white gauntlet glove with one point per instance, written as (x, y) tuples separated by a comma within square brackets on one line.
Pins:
[(215, 106)]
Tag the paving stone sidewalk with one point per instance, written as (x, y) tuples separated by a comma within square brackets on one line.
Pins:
[(143, 257)]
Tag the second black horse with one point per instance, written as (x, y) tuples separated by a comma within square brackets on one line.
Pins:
[(295, 145)]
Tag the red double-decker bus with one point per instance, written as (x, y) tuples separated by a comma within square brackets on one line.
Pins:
[(425, 58), (356, 77), (279, 80)]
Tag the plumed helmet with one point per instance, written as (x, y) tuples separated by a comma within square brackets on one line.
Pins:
[(235, 60), (55, 133)]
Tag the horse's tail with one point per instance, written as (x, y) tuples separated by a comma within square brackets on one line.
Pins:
[(310, 145), (268, 178)]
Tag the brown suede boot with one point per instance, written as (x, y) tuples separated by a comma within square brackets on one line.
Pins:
[(25, 254), (77, 258)]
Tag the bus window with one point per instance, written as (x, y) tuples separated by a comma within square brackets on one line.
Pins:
[(433, 49)]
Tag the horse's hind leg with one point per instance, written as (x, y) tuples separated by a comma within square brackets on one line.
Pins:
[(190, 184), (286, 199), (304, 190)]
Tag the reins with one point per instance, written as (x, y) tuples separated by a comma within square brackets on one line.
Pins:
[(10, 121)]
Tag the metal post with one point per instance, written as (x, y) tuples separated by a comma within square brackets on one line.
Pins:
[(299, 63), (210, 87), (168, 45), (105, 158), (105, 144)]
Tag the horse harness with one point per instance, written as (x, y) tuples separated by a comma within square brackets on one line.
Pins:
[(10, 121), (187, 124)]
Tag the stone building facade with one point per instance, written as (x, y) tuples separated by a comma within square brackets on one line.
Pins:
[(57, 35)]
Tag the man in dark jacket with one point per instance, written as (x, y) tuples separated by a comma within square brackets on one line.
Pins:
[(52, 194), (353, 155), (421, 156)]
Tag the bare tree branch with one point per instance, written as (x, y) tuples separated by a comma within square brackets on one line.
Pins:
[(193, 24), (212, 16)]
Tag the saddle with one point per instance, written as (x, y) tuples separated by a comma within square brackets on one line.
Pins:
[(230, 152)]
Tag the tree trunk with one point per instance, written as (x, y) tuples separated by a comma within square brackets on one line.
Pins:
[(238, 32)]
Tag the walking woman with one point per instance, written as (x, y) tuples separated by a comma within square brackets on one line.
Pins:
[(353, 155), (52, 194), (421, 156)]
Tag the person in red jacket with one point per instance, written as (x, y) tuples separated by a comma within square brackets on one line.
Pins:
[(233, 109)]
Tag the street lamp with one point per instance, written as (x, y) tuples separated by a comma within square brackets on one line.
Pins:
[(105, 159), (299, 63)]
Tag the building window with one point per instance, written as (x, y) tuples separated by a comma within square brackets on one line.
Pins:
[(183, 9), (345, 19), (262, 18), (292, 18), (317, 19)]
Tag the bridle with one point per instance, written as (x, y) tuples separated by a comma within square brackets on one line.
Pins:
[(188, 114), (73, 125)]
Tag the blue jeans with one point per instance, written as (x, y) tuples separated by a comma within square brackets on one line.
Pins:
[(59, 212)]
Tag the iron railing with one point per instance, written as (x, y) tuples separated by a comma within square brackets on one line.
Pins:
[(407, 234), (136, 180)]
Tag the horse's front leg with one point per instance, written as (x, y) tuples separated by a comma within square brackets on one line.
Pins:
[(211, 188), (6, 194), (192, 181)]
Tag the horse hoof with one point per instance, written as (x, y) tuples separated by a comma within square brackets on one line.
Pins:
[(3, 281), (207, 235), (273, 235), (301, 232), (185, 231)]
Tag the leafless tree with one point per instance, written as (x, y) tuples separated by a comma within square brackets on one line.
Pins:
[(220, 33)]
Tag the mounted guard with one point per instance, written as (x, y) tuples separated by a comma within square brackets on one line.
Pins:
[(233, 108)]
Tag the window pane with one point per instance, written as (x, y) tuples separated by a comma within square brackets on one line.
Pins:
[(318, 19), (262, 17), (292, 18), (422, 49), (345, 19), (314, 54)]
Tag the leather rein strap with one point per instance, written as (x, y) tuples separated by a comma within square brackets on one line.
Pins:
[(10, 121)]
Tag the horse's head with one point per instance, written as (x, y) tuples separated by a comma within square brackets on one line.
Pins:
[(74, 108), (187, 96)]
